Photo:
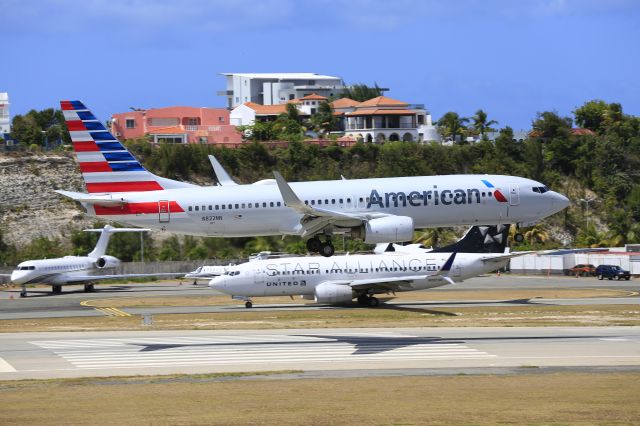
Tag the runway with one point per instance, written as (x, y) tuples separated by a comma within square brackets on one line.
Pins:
[(68, 354), (73, 302)]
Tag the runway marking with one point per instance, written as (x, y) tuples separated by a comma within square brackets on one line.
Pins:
[(5, 367), (109, 311), (265, 349)]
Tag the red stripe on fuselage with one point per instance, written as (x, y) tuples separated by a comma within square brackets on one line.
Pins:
[(76, 125), (124, 186), (95, 166), (136, 208), (89, 146), (499, 196)]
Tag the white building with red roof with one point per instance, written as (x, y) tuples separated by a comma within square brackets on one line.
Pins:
[(384, 119)]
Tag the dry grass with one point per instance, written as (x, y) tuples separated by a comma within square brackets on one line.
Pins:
[(562, 398), (505, 316), (509, 294)]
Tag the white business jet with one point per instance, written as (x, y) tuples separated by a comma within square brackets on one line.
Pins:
[(75, 269), (343, 278), (377, 210)]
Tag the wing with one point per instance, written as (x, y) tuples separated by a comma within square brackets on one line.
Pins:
[(315, 219), (396, 283), (503, 257), (81, 278)]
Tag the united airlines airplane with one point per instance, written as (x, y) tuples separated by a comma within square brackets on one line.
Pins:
[(377, 210), (340, 279)]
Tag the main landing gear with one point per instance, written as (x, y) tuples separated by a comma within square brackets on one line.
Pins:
[(314, 245), (367, 300)]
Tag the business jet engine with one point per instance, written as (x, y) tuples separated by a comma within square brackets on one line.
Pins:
[(107, 262), (333, 293), (385, 230)]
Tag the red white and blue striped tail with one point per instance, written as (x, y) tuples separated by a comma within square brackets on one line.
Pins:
[(106, 165)]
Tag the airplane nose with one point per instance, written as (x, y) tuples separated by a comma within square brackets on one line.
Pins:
[(17, 277), (217, 283), (561, 201)]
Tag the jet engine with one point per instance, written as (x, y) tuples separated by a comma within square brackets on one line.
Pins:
[(107, 262), (333, 293), (385, 230)]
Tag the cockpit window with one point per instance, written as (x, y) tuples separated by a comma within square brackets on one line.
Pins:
[(26, 268), (540, 189), (232, 273)]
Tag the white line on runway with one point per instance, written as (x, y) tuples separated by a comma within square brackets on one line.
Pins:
[(5, 367), (243, 350)]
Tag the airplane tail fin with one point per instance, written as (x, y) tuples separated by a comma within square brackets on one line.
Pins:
[(106, 165), (480, 239), (105, 234)]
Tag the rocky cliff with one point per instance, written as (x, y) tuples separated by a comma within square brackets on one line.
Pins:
[(28, 206)]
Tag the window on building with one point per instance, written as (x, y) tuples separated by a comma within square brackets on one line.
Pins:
[(292, 96), (203, 140), (192, 121), (313, 110), (221, 119), (130, 123)]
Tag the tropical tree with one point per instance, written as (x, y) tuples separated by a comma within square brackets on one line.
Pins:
[(435, 237), (481, 124), (361, 92), (452, 125), (324, 120), (549, 125), (536, 235)]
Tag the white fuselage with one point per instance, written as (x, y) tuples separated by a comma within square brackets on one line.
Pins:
[(258, 209), (300, 275), (56, 271)]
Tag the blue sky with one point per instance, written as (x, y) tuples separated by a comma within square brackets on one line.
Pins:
[(510, 58)]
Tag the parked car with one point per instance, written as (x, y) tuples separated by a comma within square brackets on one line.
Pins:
[(611, 272), (581, 269)]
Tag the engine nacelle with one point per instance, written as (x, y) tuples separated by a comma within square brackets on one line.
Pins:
[(333, 293), (385, 230), (107, 262)]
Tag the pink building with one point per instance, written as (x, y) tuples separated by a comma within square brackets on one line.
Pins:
[(177, 125)]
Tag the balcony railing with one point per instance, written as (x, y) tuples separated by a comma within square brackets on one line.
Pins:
[(356, 126), (194, 128)]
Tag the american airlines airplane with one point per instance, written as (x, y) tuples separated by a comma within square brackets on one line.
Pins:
[(343, 278), (75, 269), (377, 210)]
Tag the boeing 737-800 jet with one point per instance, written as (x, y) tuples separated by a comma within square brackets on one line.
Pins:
[(374, 210), (75, 269), (343, 278)]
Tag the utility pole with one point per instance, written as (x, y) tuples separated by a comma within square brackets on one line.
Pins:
[(587, 201)]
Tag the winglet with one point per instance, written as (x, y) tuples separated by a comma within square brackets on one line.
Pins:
[(288, 196), (447, 265), (221, 174)]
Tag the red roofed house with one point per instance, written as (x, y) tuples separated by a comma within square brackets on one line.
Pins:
[(385, 119), (247, 113), (177, 125)]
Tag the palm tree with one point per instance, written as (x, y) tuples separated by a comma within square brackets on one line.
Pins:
[(536, 234), (451, 124), (361, 92), (435, 237), (481, 124)]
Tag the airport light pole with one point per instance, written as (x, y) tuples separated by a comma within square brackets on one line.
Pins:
[(586, 201)]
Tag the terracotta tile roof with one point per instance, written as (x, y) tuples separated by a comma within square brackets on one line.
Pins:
[(383, 101), (267, 109), (381, 112), (313, 97), (582, 132), (344, 103)]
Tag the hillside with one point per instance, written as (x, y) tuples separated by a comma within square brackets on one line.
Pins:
[(28, 206)]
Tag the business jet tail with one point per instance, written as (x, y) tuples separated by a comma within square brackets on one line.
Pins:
[(105, 235), (106, 165)]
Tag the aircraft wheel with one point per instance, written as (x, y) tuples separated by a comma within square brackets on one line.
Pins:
[(248, 305), (23, 293), (363, 299), (600, 277), (88, 288), (57, 289), (627, 278), (327, 249), (373, 302), (314, 245), (518, 237)]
